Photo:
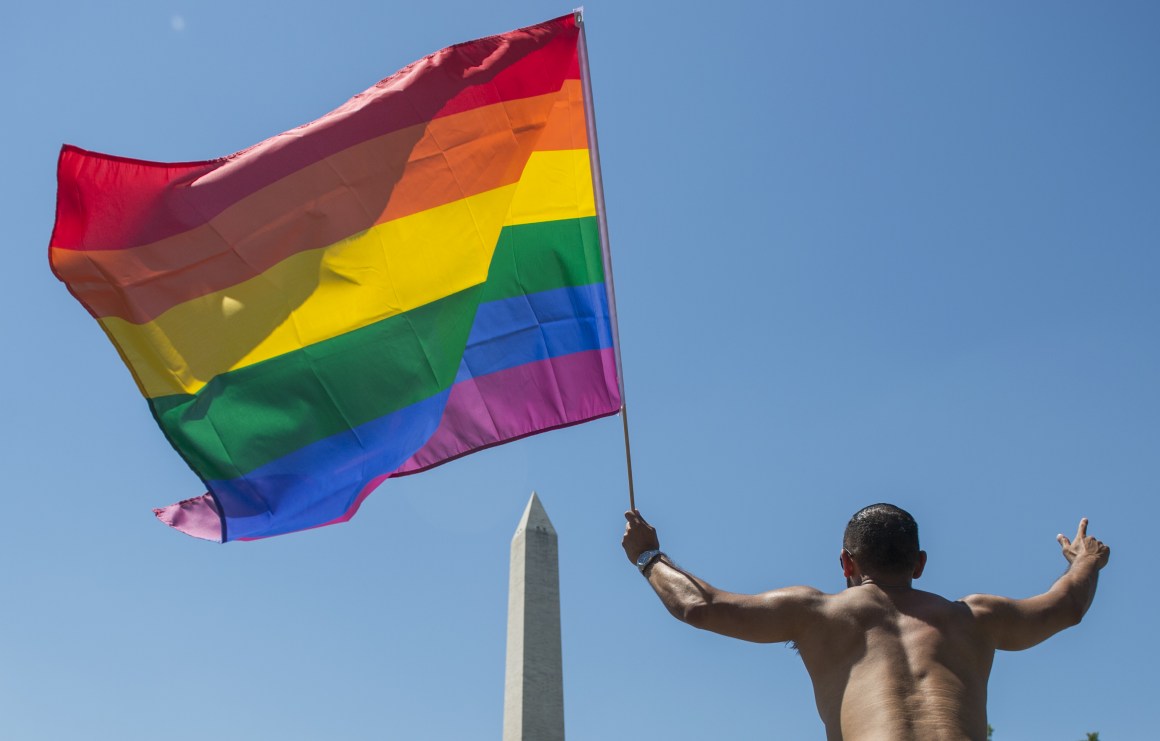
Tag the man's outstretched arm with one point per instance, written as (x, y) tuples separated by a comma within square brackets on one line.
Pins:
[(771, 617), (1018, 624)]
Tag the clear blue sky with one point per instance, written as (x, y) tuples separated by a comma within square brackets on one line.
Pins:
[(863, 251)]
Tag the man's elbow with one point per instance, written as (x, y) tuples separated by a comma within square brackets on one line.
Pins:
[(696, 613), (1067, 614), (1076, 610)]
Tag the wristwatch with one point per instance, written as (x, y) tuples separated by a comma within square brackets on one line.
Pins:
[(646, 559)]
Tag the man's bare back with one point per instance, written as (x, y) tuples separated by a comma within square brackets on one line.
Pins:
[(888, 662), (897, 663)]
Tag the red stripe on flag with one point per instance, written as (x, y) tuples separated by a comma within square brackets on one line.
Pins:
[(106, 202)]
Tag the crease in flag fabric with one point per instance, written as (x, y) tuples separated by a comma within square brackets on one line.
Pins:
[(415, 276)]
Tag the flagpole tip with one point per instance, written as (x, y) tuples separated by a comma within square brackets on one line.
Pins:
[(578, 14)]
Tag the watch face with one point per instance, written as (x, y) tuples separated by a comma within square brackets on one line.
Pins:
[(643, 559)]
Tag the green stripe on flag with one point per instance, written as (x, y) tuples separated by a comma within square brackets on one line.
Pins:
[(530, 258)]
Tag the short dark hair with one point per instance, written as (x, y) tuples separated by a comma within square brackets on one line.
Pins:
[(883, 538)]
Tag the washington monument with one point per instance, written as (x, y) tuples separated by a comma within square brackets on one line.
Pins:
[(533, 708)]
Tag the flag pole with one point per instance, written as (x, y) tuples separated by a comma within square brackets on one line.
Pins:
[(605, 251), (628, 456)]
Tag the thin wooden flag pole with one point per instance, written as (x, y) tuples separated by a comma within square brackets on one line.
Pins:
[(602, 221)]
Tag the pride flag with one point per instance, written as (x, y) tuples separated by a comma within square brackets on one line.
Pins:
[(415, 276)]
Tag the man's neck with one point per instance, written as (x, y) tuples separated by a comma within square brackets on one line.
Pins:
[(895, 582)]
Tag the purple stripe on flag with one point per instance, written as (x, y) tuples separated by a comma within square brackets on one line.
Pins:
[(519, 401), (198, 517)]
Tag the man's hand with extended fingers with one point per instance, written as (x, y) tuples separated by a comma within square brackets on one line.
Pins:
[(1084, 546)]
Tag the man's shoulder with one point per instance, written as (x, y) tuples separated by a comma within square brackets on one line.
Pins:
[(802, 600), (803, 592), (986, 605), (847, 603)]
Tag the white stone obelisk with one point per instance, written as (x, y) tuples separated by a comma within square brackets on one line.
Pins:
[(533, 707)]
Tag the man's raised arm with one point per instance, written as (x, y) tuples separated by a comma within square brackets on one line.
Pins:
[(1014, 625), (771, 617)]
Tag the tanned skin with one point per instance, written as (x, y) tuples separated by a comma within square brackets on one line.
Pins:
[(888, 662)]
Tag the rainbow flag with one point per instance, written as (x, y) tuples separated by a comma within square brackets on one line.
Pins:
[(415, 276)]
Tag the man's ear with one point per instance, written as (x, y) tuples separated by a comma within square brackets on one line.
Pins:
[(847, 562), (921, 565)]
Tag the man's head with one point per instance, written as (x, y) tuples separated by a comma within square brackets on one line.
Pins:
[(882, 542)]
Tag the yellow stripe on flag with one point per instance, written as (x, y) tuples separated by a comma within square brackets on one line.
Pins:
[(555, 185)]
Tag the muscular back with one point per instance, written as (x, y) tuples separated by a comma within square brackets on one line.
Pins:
[(897, 664)]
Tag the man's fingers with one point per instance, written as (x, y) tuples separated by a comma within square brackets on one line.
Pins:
[(1063, 541), (1082, 531), (634, 517)]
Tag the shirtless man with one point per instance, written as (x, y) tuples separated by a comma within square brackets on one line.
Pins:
[(888, 662)]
